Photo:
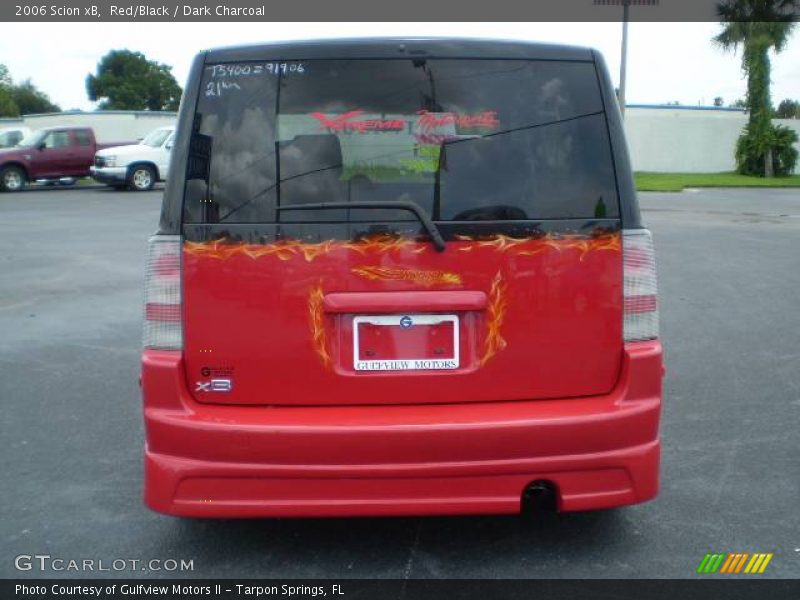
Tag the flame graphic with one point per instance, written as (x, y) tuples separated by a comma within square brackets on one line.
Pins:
[(382, 243), (496, 313), (317, 324), (500, 242), (311, 251), (286, 249), (222, 250), (530, 246), (426, 278)]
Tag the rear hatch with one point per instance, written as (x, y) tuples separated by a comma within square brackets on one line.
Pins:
[(317, 192)]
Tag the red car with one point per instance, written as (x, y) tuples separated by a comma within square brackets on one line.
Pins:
[(400, 277), (50, 154)]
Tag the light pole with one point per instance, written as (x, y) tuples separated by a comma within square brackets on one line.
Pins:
[(623, 63), (626, 6)]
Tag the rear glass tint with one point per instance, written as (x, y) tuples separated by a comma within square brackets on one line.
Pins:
[(83, 138), (468, 140)]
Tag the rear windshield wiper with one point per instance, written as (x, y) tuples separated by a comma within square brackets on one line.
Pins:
[(427, 223)]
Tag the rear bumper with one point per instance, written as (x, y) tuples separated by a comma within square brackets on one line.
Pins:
[(234, 461)]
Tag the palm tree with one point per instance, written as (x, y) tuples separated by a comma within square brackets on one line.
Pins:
[(757, 26)]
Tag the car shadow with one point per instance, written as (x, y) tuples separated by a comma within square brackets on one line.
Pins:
[(34, 188), (474, 546), (85, 188), (159, 187)]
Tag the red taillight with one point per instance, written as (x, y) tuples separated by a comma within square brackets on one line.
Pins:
[(162, 294), (639, 287), (165, 265), (640, 304), (154, 311)]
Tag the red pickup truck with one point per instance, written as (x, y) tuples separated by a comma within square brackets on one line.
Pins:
[(51, 153)]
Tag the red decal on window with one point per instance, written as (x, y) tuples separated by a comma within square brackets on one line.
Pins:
[(438, 128), (344, 122), (429, 120)]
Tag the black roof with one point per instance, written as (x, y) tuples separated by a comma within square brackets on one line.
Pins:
[(399, 48)]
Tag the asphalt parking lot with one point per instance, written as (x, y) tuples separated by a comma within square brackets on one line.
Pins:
[(71, 263)]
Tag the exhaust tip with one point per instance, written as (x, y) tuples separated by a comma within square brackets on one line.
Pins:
[(539, 497)]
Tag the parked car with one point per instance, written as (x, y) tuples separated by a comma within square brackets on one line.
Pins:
[(136, 166), (48, 154), (475, 330), (11, 136)]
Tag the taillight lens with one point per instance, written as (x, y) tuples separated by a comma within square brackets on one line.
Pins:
[(163, 327), (640, 293)]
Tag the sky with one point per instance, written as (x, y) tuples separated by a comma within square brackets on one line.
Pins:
[(667, 62)]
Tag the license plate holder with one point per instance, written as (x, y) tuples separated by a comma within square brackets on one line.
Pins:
[(414, 342)]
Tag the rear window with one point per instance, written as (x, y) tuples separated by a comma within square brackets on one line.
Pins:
[(10, 138), (83, 137), (467, 140), (56, 139)]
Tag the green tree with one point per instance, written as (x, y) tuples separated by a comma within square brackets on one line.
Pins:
[(740, 103), (5, 77), (788, 109), (8, 108), (127, 80), (757, 26), (31, 100), (23, 98)]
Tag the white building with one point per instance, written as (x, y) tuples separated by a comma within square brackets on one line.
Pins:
[(109, 125), (686, 139)]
